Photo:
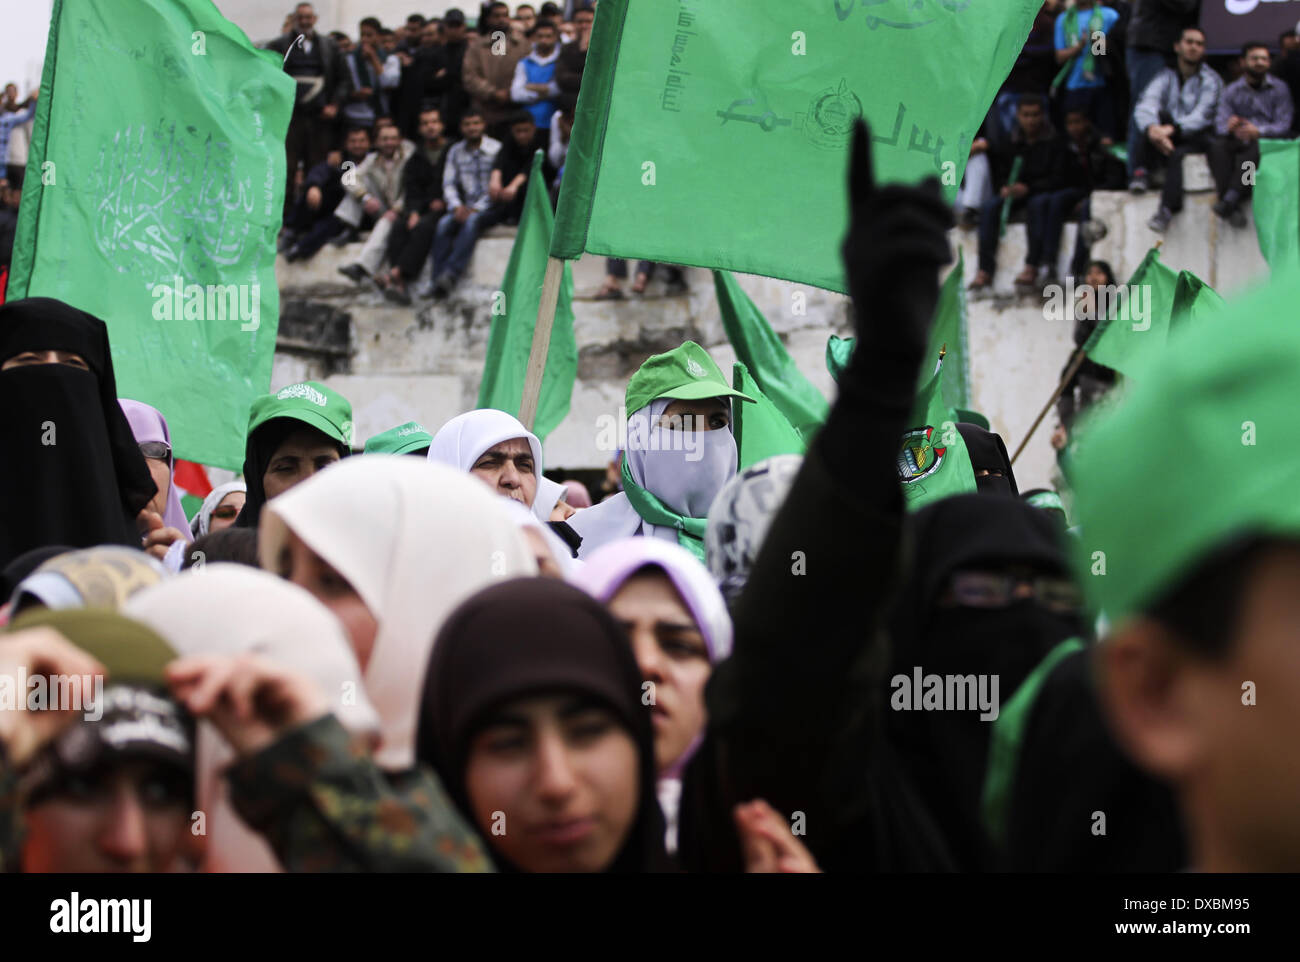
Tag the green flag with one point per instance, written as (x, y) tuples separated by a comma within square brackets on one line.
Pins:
[(932, 459), (715, 134), (1277, 203), (761, 429), (1193, 299), (153, 197), (947, 336), (511, 337), (1137, 330), (766, 360)]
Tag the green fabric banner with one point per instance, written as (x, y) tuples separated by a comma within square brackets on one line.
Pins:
[(947, 334), (1194, 300), (1277, 203), (511, 337), (154, 190), (766, 359), (761, 430), (1140, 327), (715, 133), (932, 459)]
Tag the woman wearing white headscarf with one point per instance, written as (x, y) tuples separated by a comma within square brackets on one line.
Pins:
[(463, 441), (679, 628), (229, 609), (207, 520), (392, 545), (670, 475)]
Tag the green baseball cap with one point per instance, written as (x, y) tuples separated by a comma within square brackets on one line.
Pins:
[(310, 402), (404, 439), (1202, 451), (686, 373)]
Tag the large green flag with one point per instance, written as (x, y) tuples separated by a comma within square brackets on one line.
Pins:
[(1277, 203), (761, 429), (1127, 337), (947, 337), (766, 359), (511, 337), (153, 196), (715, 133), (933, 462)]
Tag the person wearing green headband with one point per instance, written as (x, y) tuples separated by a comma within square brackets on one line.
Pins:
[(679, 453), (1186, 497), (292, 434), (408, 438), (105, 783)]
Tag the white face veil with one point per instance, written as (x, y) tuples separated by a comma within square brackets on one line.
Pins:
[(686, 478)]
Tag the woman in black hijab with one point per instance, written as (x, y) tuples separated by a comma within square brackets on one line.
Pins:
[(988, 596), (532, 716), (988, 456), (73, 473)]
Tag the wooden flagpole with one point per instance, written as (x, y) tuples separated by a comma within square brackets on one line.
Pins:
[(541, 341), (1075, 362)]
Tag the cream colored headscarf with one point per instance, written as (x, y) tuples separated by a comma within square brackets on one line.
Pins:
[(415, 539), (230, 609)]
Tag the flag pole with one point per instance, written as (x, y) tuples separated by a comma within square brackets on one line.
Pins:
[(1068, 376), (541, 341)]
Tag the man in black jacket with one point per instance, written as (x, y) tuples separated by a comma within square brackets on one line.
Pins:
[(412, 234), (1041, 173), (314, 61), (312, 221)]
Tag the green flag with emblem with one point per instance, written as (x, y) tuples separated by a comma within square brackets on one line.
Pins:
[(154, 194), (715, 133)]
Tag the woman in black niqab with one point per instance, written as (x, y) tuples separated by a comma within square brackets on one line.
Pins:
[(72, 472)]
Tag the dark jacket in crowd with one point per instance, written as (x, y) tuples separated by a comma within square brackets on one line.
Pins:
[(1034, 69), (326, 59), (568, 69), (513, 160), (451, 94), (1157, 24), (422, 180), (418, 87), (1043, 168), (1092, 168)]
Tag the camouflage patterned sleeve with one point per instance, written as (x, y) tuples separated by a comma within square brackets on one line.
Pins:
[(324, 806), (11, 816)]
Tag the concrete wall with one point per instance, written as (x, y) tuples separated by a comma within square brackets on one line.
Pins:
[(424, 362)]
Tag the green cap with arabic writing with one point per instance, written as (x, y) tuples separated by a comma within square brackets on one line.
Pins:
[(686, 373), (408, 438), (311, 402)]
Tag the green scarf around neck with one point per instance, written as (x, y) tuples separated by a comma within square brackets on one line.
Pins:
[(690, 531), (1072, 37)]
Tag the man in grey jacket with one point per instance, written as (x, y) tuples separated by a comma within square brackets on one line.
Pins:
[(1176, 117), (1154, 27)]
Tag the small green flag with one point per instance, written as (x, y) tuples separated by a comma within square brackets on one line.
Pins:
[(766, 359), (715, 133), (1193, 300), (932, 459), (1124, 339), (947, 336), (511, 338), (153, 197), (761, 429), (1277, 203)]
